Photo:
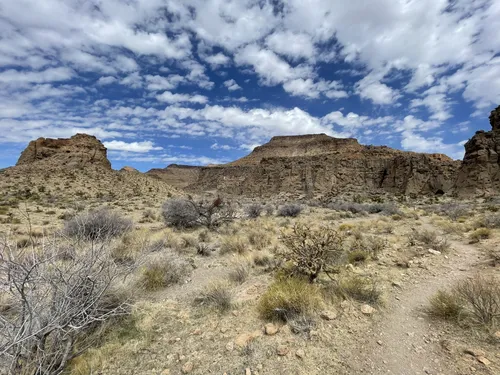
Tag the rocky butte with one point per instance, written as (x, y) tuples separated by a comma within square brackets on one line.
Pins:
[(479, 173), (76, 152), (315, 165)]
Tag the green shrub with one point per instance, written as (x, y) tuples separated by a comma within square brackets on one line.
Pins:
[(286, 299), (480, 234), (445, 305)]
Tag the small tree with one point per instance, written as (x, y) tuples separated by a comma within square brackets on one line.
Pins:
[(312, 251)]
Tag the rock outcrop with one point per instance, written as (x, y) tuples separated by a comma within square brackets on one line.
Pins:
[(315, 165), (74, 152), (177, 175), (479, 173)]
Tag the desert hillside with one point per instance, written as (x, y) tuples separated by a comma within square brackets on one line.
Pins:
[(376, 272)]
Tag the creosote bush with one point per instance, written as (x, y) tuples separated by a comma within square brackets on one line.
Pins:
[(289, 298), (311, 250), (289, 210), (97, 225)]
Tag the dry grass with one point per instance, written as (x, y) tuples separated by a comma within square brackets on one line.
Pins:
[(164, 270), (362, 289), (234, 244), (480, 234), (218, 296), (239, 272), (289, 298), (445, 305)]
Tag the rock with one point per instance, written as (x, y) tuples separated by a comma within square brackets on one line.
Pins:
[(300, 353), (475, 352), (230, 346), (271, 329), (367, 309), (187, 368), (380, 342), (480, 169), (244, 339), (434, 252), (497, 334), (179, 176), (328, 315), (78, 151), (485, 361), (247, 371), (165, 372), (282, 350)]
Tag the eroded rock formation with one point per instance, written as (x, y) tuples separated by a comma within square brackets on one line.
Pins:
[(315, 165), (480, 170), (176, 175), (77, 151)]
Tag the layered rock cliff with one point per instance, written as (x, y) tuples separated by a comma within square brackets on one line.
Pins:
[(319, 164), (176, 175), (77, 151), (479, 173)]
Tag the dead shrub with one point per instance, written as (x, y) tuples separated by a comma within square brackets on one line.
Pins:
[(97, 225), (239, 273), (253, 211), (290, 210)]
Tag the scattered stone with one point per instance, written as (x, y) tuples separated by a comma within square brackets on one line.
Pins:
[(247, 371), (434, 252), (497, 334), (230, 346), (282, 350), (271, 329), (367, 309), (396, 284), (187, 368), (244, 339), (379, 342), (328, 315), (485, 361), (197, 332), (300, 353), (165, 372)]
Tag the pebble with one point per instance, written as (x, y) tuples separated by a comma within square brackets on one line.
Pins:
[(300, 353), (367, 309), (187, 368), (271, 329), (247, 371), (282, 350), (328, 315), (485, 361)]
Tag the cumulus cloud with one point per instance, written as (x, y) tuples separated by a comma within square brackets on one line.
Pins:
[(232, 85), (140, 147), (169, 97)]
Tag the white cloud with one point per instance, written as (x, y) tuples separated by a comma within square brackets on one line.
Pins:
[(133, 80), (106, 80), (169, 97), (49, 75), (217, 146), (292, 45), (217, 60), (140, 147), (157, 83), (232, 85), (377, 92), (309, 88), (418, 143)]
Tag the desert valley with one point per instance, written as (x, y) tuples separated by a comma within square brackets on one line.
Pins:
[(311, 255)]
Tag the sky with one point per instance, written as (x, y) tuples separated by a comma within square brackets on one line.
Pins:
[(205, 81)]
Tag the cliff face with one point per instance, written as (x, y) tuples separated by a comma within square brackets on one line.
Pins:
[(77, 151), (480, 170), (318, 164), (176, 175)]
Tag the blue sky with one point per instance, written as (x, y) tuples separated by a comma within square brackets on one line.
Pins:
[(205, 81)]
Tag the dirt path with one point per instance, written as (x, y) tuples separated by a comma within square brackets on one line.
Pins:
[(403, 342)]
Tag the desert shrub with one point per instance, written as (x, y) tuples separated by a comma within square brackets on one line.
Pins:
[(370, 246), (429, 238), (97, 225), (204, 235), (360, 288), (259, 239), (254, 210), (388, 209), (494, 256), (481, 298), (263, 260), (491, 221), (454, 211), (186, 212), (290, 210), (311, 251), (302, 325), (204, 249), (233, 244), (23, 242), (351, 207), (163, 271), (480, 234), (69, 300), (148, 216), (357, 256), (269, 209), (239, 273), (445, 305), (289, 298), (218, 296), (179, 213)]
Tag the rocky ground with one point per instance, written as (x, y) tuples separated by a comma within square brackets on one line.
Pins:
[(170, 333)]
